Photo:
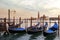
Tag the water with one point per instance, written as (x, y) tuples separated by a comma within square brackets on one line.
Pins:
[(25, 36)]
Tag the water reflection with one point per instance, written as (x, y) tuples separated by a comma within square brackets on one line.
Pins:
[(50, 37), (34, 36), (24, 37), (11, 36), (57, 38)]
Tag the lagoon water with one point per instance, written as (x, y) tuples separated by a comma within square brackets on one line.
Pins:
[(25, 36)]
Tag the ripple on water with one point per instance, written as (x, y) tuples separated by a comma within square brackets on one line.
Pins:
[(26, 36)]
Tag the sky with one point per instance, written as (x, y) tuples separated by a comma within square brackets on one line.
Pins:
[(48, 7), (30, 4)]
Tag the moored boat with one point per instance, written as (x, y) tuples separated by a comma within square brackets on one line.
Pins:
[(52, 30), (54, 27), (35, 29), (16, 30)]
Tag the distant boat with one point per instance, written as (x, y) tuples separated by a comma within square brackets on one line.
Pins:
[(35, 29), (52, 30)]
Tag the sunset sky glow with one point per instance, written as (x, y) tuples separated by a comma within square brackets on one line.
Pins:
[(43, 6)]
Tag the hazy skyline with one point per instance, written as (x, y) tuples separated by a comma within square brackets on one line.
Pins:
[(28, 8)]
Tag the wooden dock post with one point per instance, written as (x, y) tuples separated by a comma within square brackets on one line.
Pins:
[(19, 21), (31, 22), (26, 24), (5, 29), (49, 22), (14, 17), (58, 23), (43, 23), (13, 20), (9, 16), (44, 28), (38, 15), (43, 19)]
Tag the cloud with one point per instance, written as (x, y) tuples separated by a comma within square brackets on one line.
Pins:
[(30, 4)]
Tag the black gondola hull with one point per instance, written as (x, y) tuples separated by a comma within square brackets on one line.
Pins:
[(48, 34), (15, 31), (32, 32)]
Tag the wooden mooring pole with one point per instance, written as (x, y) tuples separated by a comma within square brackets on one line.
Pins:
[(31, 22), (9, 16), (58, 23), (14, 17), (43, 23), (49, 22), (26, 24), (38, 15), (5, 25), (19, 21), (13, 20)]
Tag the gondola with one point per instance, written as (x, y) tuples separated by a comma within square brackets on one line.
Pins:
[(51, 31), (54, 27), (16, 29), (35, 29)]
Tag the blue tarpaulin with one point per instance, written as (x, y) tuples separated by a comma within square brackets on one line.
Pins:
[(54, 27), (49, 31), (17, 29)]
